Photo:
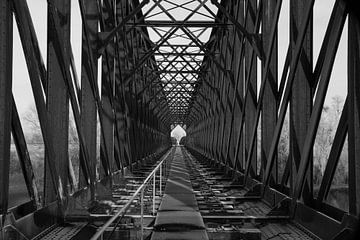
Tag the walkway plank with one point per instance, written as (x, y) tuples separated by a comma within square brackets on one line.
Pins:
[(178, 216)]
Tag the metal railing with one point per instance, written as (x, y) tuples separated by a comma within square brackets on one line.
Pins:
[(119, 215)]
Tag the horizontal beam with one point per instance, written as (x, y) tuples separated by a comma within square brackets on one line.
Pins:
[(197, 24)]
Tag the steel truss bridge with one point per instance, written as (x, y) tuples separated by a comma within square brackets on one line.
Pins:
[(211, 67)]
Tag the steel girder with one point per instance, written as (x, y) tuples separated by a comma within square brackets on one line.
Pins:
[(228, 131), (157, 73)]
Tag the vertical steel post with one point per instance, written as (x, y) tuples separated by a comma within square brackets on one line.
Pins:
[(154, 189), (354, 110), (107, 82), (224, 94), (270, 102), (6, 48), (250, 107), (88, 106), (57, 100), (120, 90), (160, 179), (238, 150), (301, 96), (142, 213), (236, 61)]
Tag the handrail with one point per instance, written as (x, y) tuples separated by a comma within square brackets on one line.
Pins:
[(124, 209)]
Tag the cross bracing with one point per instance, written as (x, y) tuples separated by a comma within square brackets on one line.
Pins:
[(254, 103)]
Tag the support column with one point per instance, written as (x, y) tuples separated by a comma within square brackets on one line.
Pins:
[(354, 112), (238, 72), (270, 103), (301, 97), (223, 78), (250, 107), (88, 106), (58, 101), (239, 78), (107, 82), (121, 104), (6, 47)]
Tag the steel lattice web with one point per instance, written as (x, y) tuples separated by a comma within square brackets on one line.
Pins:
[(180, 32)]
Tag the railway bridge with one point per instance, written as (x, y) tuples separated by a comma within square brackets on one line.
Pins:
[(270, 152)]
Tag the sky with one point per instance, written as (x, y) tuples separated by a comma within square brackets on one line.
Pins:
[(38, 8), (178, 132)]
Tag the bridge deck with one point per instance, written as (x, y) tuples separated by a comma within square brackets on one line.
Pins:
[(199, 202)]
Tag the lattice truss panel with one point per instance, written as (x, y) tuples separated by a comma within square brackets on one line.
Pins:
[(209, 66), (180, 32)]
